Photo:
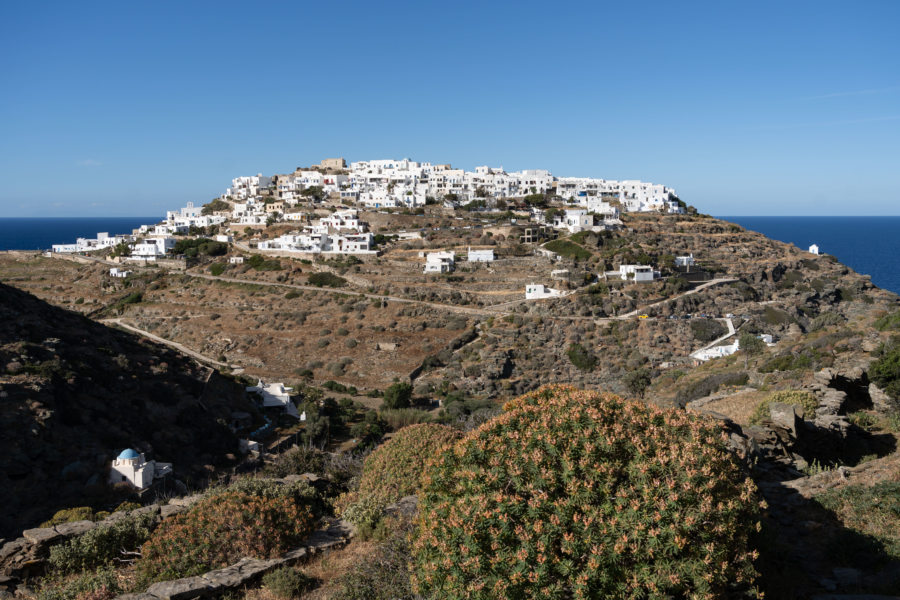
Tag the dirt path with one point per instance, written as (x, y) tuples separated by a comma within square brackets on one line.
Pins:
[(180, 347), (699, 288)]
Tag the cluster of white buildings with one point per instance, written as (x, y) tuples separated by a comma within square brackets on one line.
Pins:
[(340, 233), (103, 240), (275, 395), (393, 183)]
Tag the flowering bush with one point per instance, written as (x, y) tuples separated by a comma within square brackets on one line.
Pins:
[(394, 469), (574, 494), (221, 529)]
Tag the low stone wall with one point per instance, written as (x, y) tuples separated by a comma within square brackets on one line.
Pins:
[(247, 570)]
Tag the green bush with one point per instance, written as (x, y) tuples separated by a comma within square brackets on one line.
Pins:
[(581, 357), (567, 249), (101, 545), (888, 322), (217, 268), (401, 417), (806, 400), (398, 395), (296, 462), (383, 574), (220, 530), (288, 583), (259, 263), (393, 470), (787, 362), (773, 316), (575, 494), (326, 280), (706, 330), (708, 385), (102, 584), (69, 515), (885, 371)]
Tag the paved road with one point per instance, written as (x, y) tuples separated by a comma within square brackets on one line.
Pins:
[(717, 341), (699, 288)]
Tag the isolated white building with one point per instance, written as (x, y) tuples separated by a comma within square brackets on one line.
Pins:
[(637, 273), (275, 395), (119, 273), (439, 262), (716, 352), (480, 255), (131, 467), (236, 260), (537, 291), (814, 249), (684, 261)]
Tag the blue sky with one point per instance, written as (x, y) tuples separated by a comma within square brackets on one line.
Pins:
[(754, 108)]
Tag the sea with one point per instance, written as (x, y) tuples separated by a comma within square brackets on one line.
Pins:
[(41, 233), (869, 245)]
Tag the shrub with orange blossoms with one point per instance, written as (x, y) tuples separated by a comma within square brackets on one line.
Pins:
[(220, 530), (576, 494)]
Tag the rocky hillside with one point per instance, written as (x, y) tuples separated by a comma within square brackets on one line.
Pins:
[(73, 393)]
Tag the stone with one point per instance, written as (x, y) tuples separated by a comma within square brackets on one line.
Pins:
[(181, 589), (74, 528), (186, 501), (41, 535), (152, 509), (880, 400), (10, 548), (407, 506), (784, 416), (170, 510), (240, 573)]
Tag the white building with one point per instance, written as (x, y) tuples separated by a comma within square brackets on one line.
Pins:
[(275, 395), (152, 248), (716, 352), (236, 260), (119, 273), (814, 249), (480, 255), (103, 240), (131, 467), (684, 261), (537, 291), (574, 220), (439, 262), (637, 273)]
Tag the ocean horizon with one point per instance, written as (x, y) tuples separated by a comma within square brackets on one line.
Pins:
[(868, 245)]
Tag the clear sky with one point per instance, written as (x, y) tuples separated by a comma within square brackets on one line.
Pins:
[(750, 108)]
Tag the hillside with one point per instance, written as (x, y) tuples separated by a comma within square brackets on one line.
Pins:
[(73, 393)]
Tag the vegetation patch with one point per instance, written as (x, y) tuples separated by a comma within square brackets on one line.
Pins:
[(885, 371), (325, 279), (707, 330), (869, 510), (568, 249), (220, 530), (394, 469), (888, 322), (574, 494), (581, 357), (805, 400)]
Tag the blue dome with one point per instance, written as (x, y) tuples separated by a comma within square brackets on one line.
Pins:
[(129, 453)]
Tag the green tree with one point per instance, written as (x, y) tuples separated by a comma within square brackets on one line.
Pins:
[(398, 395), (638, 381), (750, 344), (885, 371)]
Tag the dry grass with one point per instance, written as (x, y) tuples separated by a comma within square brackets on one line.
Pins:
[(738, 407)]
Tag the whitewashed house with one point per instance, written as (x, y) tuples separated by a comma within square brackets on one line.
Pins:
[(439, 262), (636, 273), (537, 291), (119, 273), (814, 249), (480, 255), (716, 352), (151, 248), (275, 395), (684, 261), (131, 467), (236, 260)]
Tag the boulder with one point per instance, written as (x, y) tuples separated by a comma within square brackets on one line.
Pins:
[(181, 589), (784, 416), (170, 510), (74, 528), (41, 535), (240, 573), (880, 400)]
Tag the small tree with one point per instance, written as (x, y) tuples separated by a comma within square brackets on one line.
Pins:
[(398, 395), (638, 381)]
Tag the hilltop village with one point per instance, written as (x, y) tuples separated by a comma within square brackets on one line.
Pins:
[(298, 321)]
